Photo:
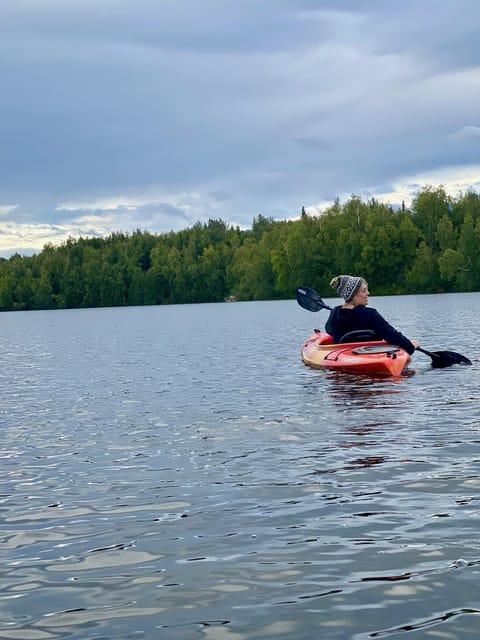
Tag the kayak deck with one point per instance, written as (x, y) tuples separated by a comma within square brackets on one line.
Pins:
[(366, 358)]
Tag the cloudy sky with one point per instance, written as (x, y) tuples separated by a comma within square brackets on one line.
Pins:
[(155, 114)]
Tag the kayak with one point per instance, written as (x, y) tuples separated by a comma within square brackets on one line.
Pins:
[(367, 358)]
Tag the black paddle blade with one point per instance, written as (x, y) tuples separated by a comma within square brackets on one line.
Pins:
[(310, 300), (441, 359)]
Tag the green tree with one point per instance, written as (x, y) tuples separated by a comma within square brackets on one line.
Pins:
[(430, 205), (469, 241), (445, 233), (6, 291), (423, 276), (452, 266), (382, 254), (252, 270)]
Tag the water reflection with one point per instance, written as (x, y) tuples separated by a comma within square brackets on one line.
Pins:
[(366, 461), (357, 392)]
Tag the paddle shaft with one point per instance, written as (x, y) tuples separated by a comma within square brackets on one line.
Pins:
[(428, 353)]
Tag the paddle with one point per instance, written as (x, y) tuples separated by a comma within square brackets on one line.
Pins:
[(309, 299), (441, 359)]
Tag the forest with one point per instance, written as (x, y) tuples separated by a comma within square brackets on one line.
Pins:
[(430, 247)]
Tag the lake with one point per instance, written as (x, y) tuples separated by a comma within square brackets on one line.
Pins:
[(176, 472)]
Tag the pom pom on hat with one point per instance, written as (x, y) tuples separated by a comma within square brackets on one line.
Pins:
[(347, 286)]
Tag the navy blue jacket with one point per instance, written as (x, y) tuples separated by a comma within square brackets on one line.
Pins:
[(341, 321)]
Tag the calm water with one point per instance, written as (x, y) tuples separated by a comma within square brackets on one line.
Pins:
[(178, 473)]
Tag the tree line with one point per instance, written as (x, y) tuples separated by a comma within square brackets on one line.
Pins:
[(427, 248)]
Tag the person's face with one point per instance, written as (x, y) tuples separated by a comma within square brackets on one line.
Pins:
[(361, 298)]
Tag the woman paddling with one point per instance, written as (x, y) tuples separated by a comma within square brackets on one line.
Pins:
[(353, 315)]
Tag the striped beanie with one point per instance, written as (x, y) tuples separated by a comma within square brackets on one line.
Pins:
[(347, 286)]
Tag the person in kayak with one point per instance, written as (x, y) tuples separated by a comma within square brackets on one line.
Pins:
[(353, 315)]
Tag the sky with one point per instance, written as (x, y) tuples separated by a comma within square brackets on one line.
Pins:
[(117, 115)]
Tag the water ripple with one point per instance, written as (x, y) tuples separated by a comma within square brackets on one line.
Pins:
[(244, 497)]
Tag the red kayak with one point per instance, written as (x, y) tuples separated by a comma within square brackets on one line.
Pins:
[(366, 358)]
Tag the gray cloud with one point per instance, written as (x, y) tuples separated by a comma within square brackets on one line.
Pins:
[(178, 111)]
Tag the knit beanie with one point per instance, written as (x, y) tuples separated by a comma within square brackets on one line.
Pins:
[(347, 286)]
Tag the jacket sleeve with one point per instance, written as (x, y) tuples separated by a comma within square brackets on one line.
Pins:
[(330, 324), (389, 333)]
